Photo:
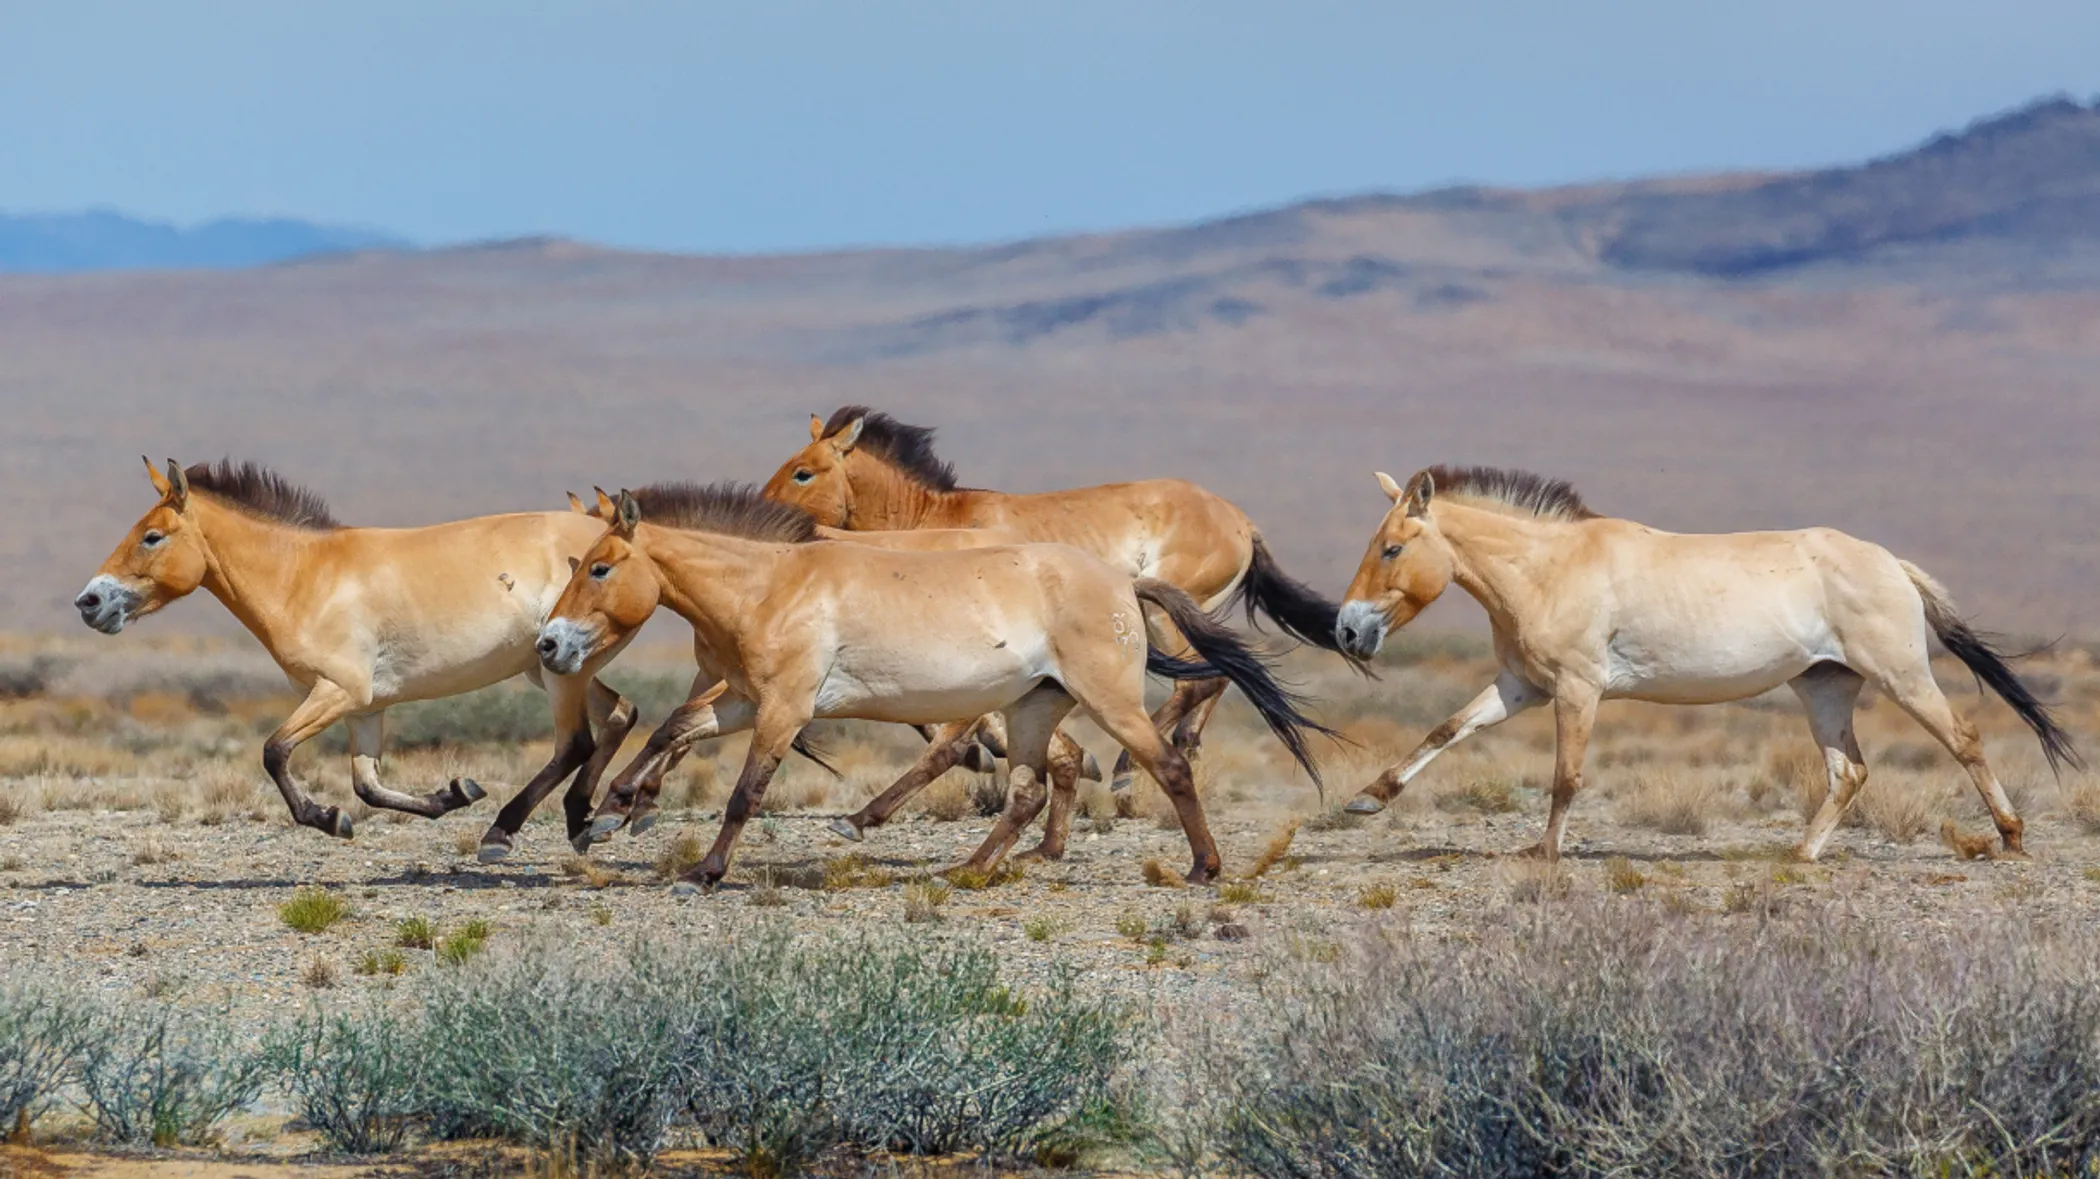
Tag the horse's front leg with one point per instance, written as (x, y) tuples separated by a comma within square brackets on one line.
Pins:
[(573, 748), (711, 712), (1574, 715), (1503, 699), (367, 739), (949, 744), (772, 733), (326, 703), (614, 717)]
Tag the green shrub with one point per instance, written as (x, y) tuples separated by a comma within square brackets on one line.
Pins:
[(313, 910), (44, 1030), (357, 1080), (153, 1075)]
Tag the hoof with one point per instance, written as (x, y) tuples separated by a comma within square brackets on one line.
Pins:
[(1537, 851), (979, 760), (1364, 804), (1199, 875), (582, 842), (1042, 853), (339, 824), (1090, 769), (844, 829), (603, 826), (639, 824), (494, 848), (1122, 784), (468, 791)]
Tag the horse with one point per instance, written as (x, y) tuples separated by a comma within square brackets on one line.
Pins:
[(796, 628), (361, 619), (864, 470), (1588, 608), (968, 743)]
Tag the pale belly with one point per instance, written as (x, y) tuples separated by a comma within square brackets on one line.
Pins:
[(1709, 669), (403, 672), (929, 689)]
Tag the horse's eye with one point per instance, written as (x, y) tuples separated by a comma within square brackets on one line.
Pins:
[(804, 476), (600, 571), (1393, 550), (154, 538)]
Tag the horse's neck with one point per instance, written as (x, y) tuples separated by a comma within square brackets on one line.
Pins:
[(714, 582), (886, 499), (1503, 561), (256, 568)]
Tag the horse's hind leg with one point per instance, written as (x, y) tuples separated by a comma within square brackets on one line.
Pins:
[(1829, 692), (367, 737), (1174, 714), (1917, 693), (326, 704), (710, 712), (950, 742), (773, 731), (1188, 735), (1031, 721), (1065, 770), (613, 716)]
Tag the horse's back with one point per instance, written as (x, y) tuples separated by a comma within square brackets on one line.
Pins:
[(1171, 529)]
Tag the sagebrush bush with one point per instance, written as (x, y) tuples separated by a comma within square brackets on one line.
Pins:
[(43, 1032), (1613, 1039), (153, 1075), (357, 1080)]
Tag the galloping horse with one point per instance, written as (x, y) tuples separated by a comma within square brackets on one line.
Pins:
[(796, 628), (1587, 608), (864, 470), (365, 618), (969, 743)]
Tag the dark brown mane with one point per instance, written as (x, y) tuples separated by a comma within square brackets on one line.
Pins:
[(1535, 495), (908, 448), (260, 491), (732, 509)]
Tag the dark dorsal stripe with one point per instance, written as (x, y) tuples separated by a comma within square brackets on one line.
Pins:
[(732, 509), (260, 491), (1552, 499), (907, 448)]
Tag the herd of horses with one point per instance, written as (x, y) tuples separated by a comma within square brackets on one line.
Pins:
[(862, 582)]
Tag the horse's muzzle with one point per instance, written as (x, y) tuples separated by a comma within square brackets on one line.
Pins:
[(563, 646), (1359, 629), (106, 605)]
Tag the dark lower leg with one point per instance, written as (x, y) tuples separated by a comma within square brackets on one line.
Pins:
[(568, 756), (277, 759), (950, 742), (749, 796), (1064, 799), (1024, 802)]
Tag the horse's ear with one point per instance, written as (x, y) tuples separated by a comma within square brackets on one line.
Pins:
[(629, 513), (575, 563), (816, 428), (1393, 490), (607, 510), (576, 504), (160, 481), (845, 438), (178, 493), (1420, 490)]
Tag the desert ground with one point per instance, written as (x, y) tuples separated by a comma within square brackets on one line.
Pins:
[(145, 855)]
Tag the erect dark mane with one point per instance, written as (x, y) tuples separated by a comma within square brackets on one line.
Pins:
[(263, 492), (908, 448), (1534, 495), (732, 509)]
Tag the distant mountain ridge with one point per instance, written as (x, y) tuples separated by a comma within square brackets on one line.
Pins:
[(63, 243)]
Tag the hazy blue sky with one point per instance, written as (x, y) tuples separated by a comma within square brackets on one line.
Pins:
[(790, 124)]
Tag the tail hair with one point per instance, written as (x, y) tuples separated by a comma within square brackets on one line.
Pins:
[(1225, 653), (1989, 661), (1295, 607)]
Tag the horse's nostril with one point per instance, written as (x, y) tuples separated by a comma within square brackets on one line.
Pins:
[(546, 646), (88, 601)]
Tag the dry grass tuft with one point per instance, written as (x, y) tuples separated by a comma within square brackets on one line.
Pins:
[(1897, 811), (2084, 807), (1489, 796), (1382, 895), (1673, 804), (923, 900), (153, 851), (589, 872), (320, 974), (854, 870), (12, 804), (946, 800), (381, 962), (976, 879), (681, 855), (414, 933), (1274, 851), (1158, 875), (1622, 877), (1240, 892), (1964, 845), (1533, 881)]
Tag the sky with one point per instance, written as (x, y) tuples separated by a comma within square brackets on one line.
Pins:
[(775, 125)]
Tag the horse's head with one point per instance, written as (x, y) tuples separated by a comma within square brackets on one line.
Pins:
[(815, 478), (161, 559), (612, 591), (1407, 566)]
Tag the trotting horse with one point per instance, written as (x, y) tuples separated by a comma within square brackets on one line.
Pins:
[(864, 470), (361, 619), (797, 628), (1587, 608)]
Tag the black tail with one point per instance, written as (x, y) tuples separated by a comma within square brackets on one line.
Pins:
[(1988, 662), (1294, 606), (1225, 653)]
